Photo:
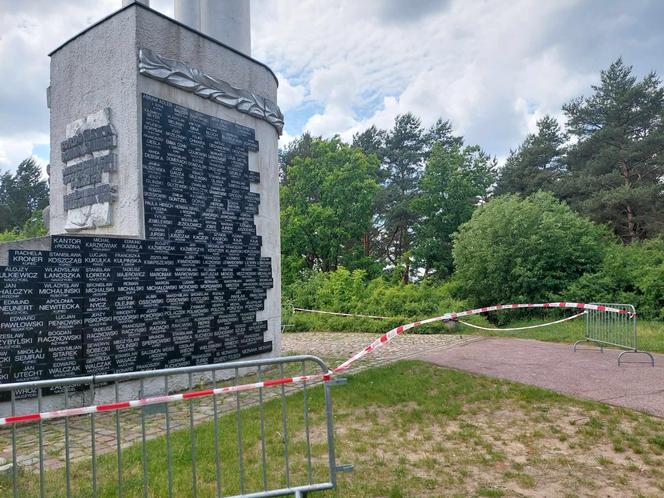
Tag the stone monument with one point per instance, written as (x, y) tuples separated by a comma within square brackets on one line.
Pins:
[(164, 243)]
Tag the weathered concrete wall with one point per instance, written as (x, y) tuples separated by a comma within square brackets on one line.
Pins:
[(37, 244), (169, 39), (99, 69), (94, 71)]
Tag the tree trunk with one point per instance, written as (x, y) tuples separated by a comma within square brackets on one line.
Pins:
[(631, 231), (402, 250)]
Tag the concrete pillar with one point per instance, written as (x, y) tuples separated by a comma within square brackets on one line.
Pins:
[(188, 12), (228, 21)]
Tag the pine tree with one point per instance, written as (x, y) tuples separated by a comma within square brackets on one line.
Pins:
[(371, 141), (616, 165), (454, 182), (301, 147), (537, 164), (402, 166), (441, 133)]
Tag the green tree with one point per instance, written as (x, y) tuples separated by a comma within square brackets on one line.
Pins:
[(402, 152), (524, 250), (32, 228), (326, 207), (300, 147), (371, 141), (454, 181), (405, 148), (537, 164), (21, 195), (617, 163), (441, 133)]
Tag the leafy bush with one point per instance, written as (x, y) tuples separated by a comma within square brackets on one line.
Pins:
[(32, 228), (350, 292), (524, 250), (631, 274)]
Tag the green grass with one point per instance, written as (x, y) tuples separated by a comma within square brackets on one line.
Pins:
[(412, 429), (650, 333)]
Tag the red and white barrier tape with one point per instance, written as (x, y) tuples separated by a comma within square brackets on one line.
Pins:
[(154, 400), (385, 338)]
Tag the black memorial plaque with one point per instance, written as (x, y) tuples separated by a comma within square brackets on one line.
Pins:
[(186, 295)]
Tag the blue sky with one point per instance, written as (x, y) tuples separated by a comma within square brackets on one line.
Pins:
[(492, 67)]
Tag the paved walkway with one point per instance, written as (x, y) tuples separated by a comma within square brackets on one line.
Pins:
[(586, 374), (336, 347)]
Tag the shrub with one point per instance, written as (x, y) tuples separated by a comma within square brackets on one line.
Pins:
[(632, 274), (32, 228), (524, 250), (351, 292)]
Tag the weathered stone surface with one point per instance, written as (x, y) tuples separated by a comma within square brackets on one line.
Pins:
[(89, 163), (37, 244), (191, 79), (89, 216)]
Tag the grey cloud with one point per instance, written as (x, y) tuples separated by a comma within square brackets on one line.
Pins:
[(407, 11), (593, 34)]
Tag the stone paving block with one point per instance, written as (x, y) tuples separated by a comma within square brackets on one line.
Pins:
[(333, 348)]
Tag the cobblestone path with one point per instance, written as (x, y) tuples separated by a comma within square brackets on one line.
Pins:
[(336, 347), (333, 348)]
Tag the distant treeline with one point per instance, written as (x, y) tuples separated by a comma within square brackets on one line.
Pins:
[(576, 212)]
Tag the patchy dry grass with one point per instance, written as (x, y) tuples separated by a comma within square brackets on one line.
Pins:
[(448, 433), (413, 429)]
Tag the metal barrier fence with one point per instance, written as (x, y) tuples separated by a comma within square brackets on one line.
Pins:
[(266, 442), (611, 329)]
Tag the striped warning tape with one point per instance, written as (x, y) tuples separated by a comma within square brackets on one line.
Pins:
[(385, 338), (154, 400)]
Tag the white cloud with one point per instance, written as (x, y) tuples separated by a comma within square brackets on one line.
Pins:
[(15, 149), (334, 119), (290, 96), (28, 31), (286, 139), (336, 85), (493, 68)]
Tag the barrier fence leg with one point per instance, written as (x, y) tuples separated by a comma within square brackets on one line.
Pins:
[(583, 341), (67, 462), (651, 361), (14, 458), (118, 440), (169, 460)]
